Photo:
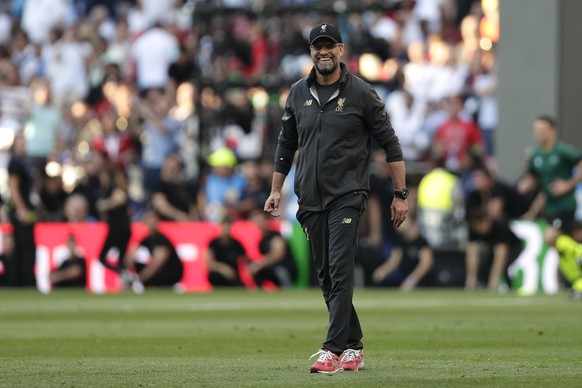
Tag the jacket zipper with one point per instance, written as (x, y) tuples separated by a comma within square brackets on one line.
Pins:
[(317, 158), (321, 108)]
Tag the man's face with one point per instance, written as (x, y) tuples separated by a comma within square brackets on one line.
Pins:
[(481, 181), (326, 54), (543, 132)]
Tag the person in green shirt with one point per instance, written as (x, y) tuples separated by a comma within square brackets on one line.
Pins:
[(569, 248), (556, 168)]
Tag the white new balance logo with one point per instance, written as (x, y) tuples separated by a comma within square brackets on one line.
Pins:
[(347, 221)]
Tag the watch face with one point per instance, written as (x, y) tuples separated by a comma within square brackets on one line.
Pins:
[(402, 193)]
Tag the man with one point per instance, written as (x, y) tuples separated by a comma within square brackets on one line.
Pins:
[(410, 261), (21, 213), (155, 260), (439, 206), (223, 190), (496, 197), (330, 117), (556, 169), (551, 167), (224, 256), (456, 136), (276, 264), (488, 234), (72, 272), (172, 198)]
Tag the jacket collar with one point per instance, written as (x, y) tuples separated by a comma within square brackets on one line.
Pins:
[(342, 79)]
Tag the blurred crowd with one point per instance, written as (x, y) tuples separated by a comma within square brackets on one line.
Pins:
[(155, 87), (114, 108)]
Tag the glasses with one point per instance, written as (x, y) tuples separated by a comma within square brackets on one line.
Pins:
[(321, 46)]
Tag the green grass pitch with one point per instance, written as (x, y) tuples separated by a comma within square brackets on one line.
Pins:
[(430, 338)]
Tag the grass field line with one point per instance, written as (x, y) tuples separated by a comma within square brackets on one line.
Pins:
[(391, 302)]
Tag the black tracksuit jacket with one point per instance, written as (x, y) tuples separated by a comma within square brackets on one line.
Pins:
[(333, 139)]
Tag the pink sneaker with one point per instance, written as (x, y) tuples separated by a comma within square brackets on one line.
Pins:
[(352, 360), (327, 362)]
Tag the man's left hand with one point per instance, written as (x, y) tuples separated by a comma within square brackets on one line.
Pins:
[(399, 211)]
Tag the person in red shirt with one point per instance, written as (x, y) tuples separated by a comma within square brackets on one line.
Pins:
[(457, 135), (115, 144)]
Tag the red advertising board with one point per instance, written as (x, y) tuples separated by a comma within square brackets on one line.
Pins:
[(190, 239)]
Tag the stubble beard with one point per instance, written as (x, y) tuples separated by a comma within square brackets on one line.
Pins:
[(326, 70)]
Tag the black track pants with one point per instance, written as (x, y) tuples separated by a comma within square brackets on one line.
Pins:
[(333, 238)]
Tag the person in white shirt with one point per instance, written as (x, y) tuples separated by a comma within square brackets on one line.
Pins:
[(41, 16), (153, 53), (66, 67), (431, 12), (485, 87), (408, 115)]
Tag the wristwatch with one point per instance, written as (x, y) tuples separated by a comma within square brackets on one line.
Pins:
[(402, 193)]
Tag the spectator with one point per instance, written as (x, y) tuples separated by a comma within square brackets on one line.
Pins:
[(43, 126), (189, 137), (22, 53), (76, 209), (415, 70), (224, 188), (118, 48), (22, 213), (66, 67), (494, 236), (445, 76), (409, 263), (497, 198), (158, 132), (153, 52), (456, 136), (112, 204), (257, 187), (72, 272), (52, 195), (99, 16), (485, 86), (157, 11), (432, 13), (137, 20), (440, 208), (97, 64), (89, 185), (276, 264), (174, 199), (115, 144), (154, 261), (34, 67), (180, 71), (41, 16), (223, 257), (15, 99), (408, 115)]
